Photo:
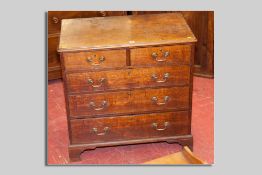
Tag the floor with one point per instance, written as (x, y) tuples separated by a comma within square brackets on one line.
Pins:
[(202, 131)]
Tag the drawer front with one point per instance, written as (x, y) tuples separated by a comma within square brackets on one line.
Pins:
[(130, 127), (130, 78), (95, 60), (129, 102), (166, 55)]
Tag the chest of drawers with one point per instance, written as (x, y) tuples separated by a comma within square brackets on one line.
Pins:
[(127, 80)]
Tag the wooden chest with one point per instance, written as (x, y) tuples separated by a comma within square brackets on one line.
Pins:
[(127, 80)]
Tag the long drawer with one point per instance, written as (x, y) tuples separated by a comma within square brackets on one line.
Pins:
[(129, 102), (129, 127), (89, 82)]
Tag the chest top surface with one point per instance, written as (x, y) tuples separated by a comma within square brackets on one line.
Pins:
[(124, 31)]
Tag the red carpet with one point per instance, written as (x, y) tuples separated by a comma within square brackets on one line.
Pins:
[(202, 131)]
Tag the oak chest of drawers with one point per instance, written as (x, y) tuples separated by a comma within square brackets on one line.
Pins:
[(127, 80)]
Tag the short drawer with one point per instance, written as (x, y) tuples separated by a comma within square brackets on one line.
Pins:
[(166, 55), (128, 78), (124, 102), (95, 60), (129, 127)]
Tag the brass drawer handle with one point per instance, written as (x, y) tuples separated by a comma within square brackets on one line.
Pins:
[(164, 54), (91, 81), (155, 100), (165, 77), (95, 130), (55, 20), (104, 104), (100, 60), (155, 126)]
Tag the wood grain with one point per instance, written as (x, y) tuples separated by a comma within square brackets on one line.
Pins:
[(202, 25), (200, 22), (126, 102), (75, 150), (129, 127), (54, 27), (79, 60), (178, 55), (124, 31), (54, 65), (134, 78), (127, 80), (55, 17)]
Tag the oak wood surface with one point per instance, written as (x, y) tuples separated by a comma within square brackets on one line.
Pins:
[(113, 88), (124, 31), (124, 102), (196, 21), (202, 25), (129, 127), (112, 80), (54, 26), (54, 65), (200, 22), (177, 55), (95, 60), (75, 150), (55, 17)]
